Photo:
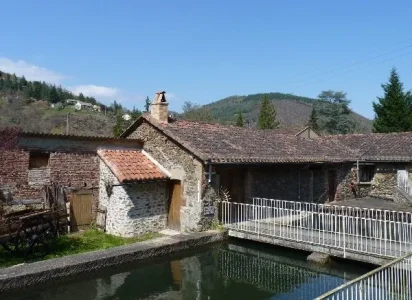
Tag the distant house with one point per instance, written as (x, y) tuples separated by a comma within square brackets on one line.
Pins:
[(79, 105), (126, 117), (71, 101), (83, 106), (305, 132)]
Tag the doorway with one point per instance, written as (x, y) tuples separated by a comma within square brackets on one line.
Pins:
[(81, 210), (175, 201)]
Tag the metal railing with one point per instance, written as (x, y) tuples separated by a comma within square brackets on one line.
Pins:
[(391, 281), (374, 231)]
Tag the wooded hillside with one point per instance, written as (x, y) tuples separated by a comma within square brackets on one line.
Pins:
[(291, 110)]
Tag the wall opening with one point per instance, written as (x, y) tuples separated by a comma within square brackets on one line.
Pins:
[(38, 160)]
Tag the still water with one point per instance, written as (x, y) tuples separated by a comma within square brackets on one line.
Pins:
[(224, 271)]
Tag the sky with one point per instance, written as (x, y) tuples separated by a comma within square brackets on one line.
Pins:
[(202, 51)]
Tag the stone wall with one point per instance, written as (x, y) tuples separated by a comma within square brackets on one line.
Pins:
[(182, 166), (70, 170), (73, 164), (132, 209), (382, 185)]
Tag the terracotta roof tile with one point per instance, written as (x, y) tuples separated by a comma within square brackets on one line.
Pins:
[(131, 165), (377, 146), (229, 144)]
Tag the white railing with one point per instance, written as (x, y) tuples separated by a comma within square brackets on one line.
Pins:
[(403, 181), (374, 231), (391, 281)]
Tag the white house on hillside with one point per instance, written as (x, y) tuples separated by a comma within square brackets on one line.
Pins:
[(79, 105), (126, 117)]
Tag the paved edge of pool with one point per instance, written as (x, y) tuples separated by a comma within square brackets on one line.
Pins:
[(58, 269)]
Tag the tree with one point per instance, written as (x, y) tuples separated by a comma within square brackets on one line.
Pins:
[(147, 104), (81, 97), (393, 111), (37, 90), (267, 115), (313, 120), (118, 127), (135, 113), (23, 82), (334, 112), (194, 112), (239, 119), (54, 96)]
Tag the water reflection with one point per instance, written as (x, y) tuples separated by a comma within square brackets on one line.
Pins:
[(222, 272)]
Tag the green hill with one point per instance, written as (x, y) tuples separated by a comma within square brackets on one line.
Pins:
[(41, 107), (292, 110)]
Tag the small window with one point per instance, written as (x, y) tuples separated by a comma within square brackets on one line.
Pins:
[(366, 173), (39, 160)]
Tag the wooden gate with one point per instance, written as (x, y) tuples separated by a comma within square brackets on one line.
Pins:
[(81, 210), (175, 201)]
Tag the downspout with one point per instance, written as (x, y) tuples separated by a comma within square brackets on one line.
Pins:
[(357, 171)]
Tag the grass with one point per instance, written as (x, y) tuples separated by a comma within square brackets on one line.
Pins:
[(75, 243)]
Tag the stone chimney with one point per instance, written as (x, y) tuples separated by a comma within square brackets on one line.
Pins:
[(160, 109)]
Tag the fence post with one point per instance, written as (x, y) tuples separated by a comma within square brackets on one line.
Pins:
[(344, 236)]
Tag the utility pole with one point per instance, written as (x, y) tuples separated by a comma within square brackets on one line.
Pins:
[(67, 124)]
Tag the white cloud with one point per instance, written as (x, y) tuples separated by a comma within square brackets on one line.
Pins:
[(96, 91), (31, 72), (104, 94)]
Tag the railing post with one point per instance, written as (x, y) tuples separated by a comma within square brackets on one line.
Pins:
[(344, 236)]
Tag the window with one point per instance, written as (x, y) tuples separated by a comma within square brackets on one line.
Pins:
[(366, 173), (39, 160)]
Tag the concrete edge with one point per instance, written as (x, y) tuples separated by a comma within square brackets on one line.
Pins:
[(347, 254), (59, 269)]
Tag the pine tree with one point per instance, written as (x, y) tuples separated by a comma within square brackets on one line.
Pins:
[(37, 90), (147, 105), (239, 119), (118, 127), (54, 96), (313, 120), (81, 97), (393, 111), (267, 115)]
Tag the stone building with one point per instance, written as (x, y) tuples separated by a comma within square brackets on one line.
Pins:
[(172, 173), (244, 162), (82, 169), (133, 191)]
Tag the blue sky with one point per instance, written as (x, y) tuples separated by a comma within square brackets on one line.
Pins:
[(202, 51)]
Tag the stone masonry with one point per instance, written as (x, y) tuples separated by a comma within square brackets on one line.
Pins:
[(182, 166), (132, 209)]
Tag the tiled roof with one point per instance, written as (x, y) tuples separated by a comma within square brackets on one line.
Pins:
[(289, 130), (378, 146), (69, 136), (229, 144), (131, 165)]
